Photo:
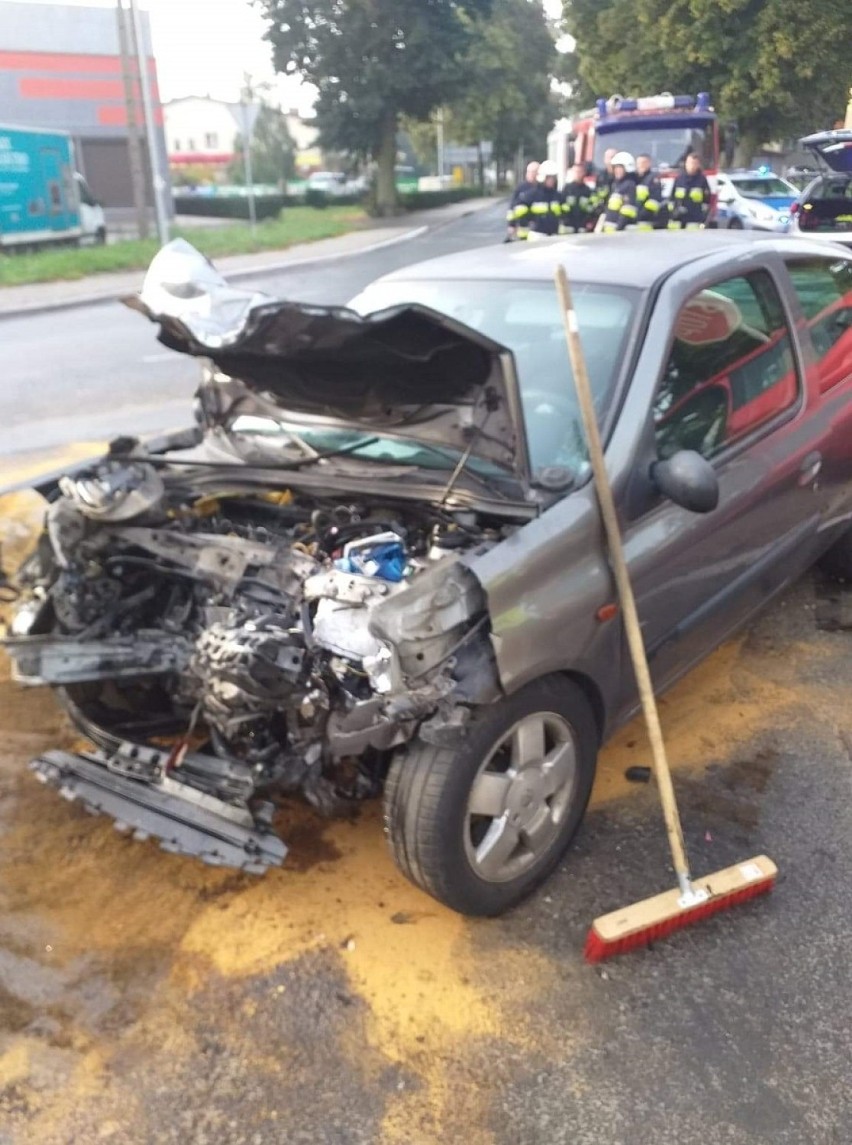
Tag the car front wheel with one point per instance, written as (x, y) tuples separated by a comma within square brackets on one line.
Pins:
[(480, 825)]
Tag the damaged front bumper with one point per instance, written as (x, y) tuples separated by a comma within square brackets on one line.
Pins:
[(132, 786)]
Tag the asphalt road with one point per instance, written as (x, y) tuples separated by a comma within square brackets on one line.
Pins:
[(97, 371), (146, 999)]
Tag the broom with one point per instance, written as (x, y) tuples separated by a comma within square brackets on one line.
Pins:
[(689, 902)]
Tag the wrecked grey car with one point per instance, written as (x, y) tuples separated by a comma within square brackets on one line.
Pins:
[(376, 565)]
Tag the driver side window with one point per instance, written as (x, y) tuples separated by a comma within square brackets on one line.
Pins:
[(730, 368)]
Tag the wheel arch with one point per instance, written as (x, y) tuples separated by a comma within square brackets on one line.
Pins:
[(593, 694)]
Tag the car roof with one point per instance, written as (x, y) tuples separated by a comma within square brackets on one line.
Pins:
[(628, 259)]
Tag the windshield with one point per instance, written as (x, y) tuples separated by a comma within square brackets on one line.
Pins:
[(763, 187), (667, 146), (525, 317), (264, 434)]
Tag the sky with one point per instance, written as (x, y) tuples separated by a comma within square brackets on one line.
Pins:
[(204, 46)]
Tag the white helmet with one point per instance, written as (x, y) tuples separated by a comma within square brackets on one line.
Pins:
[(624, 159), (547, 169)]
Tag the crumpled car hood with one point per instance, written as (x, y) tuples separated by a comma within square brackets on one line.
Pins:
[(407, 372)]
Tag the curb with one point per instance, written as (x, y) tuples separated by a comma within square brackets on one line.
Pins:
[(234, 275), (255, 272)]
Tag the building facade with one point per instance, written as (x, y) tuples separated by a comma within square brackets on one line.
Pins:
[(201, 133), (61, 68)]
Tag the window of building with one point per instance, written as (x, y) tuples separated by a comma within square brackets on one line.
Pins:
[(190, 144), (730, 370), (176, 145), (824, 289), (211, 139)]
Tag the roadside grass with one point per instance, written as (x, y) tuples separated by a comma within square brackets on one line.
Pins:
[(295, 225)]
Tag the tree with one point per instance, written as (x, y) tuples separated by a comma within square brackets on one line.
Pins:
[(373, 61), (507, 99), (777, 67), (273, 153)]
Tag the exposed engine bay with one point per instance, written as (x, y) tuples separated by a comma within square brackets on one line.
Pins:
[(223, 648)]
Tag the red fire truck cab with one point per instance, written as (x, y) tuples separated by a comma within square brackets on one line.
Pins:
[(666, 127)]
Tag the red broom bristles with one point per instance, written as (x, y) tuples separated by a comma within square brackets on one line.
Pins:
[(597, 949)]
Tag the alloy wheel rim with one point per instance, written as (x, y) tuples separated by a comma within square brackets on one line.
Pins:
[(520, 797)]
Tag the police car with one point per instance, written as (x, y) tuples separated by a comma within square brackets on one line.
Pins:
[(754, 200)]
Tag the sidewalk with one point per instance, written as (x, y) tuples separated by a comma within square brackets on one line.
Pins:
[(17, 301)]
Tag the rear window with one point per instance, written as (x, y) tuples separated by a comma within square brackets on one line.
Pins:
[(764, 188)]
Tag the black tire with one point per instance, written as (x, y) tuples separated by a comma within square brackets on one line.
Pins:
[(735, 224), (837, 562), (428, 789)]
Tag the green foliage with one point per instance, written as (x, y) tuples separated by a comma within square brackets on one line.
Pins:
[(425, 200), (273, 153), (295, 225), (371, 62), (777, 67), (507, 98), (231, 206)]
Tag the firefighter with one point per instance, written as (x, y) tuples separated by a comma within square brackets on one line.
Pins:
[(649, 196), (542, 207), (603, 184), (621, 210), (513, 215), (578, 206), (690, 197)]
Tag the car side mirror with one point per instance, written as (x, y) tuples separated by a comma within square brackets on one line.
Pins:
[(687, 479)]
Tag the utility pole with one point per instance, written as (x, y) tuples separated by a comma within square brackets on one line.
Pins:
[(150, 128), (440, 122), (246, 103), (134, 144)]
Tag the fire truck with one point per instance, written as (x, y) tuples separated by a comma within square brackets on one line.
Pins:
[(666, 127)]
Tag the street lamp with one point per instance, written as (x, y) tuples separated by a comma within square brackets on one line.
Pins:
[(247, 106), (440, 123)]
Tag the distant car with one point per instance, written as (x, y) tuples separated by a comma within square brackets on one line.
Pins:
[(754, 200), (824, 210), (376, 564), (334, 184)]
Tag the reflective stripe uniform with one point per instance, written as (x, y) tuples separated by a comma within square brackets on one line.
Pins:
[(690, 202), (578, 207), (621, 210), (514, 216), (649, 200), (601, 193), (541, 211)]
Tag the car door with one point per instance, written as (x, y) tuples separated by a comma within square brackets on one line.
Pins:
[(59, 209), (731, 388)]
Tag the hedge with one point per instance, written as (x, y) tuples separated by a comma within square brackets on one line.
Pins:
[(423, 200), (233, 207)]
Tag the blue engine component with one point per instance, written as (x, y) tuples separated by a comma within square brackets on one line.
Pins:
[(382, 555)]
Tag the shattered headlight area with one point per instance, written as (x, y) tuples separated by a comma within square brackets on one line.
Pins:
[(224, 648)]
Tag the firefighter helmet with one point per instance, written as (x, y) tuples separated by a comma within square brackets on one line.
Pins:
[(548, 170), (624, 159)]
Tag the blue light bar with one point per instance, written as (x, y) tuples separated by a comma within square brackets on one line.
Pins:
[(663, 102)]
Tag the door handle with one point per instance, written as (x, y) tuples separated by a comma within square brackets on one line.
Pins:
[(810, 468)]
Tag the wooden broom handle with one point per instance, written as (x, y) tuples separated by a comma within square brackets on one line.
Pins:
[(635, 640)]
